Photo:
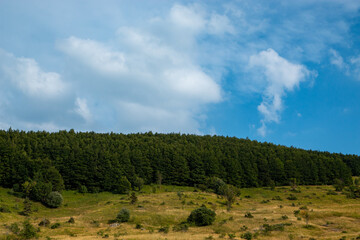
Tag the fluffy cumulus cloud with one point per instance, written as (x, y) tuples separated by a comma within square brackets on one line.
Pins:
[(95, 55), (280, 76), (152, 81), (28, 94), (26, 75)]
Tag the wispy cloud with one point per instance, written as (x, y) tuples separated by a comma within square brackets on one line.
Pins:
[(82, 109), (281, 76)]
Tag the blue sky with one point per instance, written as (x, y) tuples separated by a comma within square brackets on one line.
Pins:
[(286, 72)]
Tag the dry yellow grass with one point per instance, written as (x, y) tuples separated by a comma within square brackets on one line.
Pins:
[(330, 216)]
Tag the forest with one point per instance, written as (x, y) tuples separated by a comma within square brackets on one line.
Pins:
[(106, 161)]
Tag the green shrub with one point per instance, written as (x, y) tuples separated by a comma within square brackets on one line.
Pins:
[(55, 225), (139, 183), (28, 231), (138, 226), (202, 216), (82, 189), (133, 198), (247, 236), (164, 229), (248, 215), (123, 186), (182, 227), (71, 220), (331, 192), (216, 184), (54, 200), (123, 215), (292, 197), (296, 212), (339, 185), (14, 228), (231, 235), (5, 209), (278, 198), (44, 223), (353, 192)]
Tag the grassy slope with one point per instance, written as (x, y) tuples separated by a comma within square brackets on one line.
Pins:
[(332, 216)]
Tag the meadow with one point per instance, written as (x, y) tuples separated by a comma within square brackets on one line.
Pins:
[(316, 212)]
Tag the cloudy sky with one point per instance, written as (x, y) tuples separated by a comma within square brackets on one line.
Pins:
[(286, 72)]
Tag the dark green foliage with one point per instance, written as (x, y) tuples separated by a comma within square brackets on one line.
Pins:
[(102, 161), (248, 215), (339, 185), (55, 225), (28, 231), (14, 228), (278, 198), (231, 235), (5, 209), (139, 183), (123, 186), (44, 223), (138, 226), (247, 236), (331, 192), (292, 197), (202, 216), (216, 184), (71, 220), (123, 215), (40, 191), (164, 229), (54, 200), (267, 228), (27, 207), (179, 194), (230, 193), (182, 227), (353, 191), (82, 189), (133, 198)]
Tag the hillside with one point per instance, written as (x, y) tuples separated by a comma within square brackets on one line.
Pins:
[(329, 216)]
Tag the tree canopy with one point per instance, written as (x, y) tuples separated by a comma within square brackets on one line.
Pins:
[(114, 162)]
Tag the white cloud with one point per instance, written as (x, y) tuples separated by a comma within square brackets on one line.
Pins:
[(193, 84), (95, 55), (355, 64), (280, 76), (220, 24), (189, 18), (156, 81), (82, 109), (336, 59), (351, 66), (28, 77)]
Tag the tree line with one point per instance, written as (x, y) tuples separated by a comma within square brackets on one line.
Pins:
[(110, 161)]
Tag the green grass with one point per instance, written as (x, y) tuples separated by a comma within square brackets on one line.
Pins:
[(330, 216)]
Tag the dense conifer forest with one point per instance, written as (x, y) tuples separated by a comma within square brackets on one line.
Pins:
[(102, 162)]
